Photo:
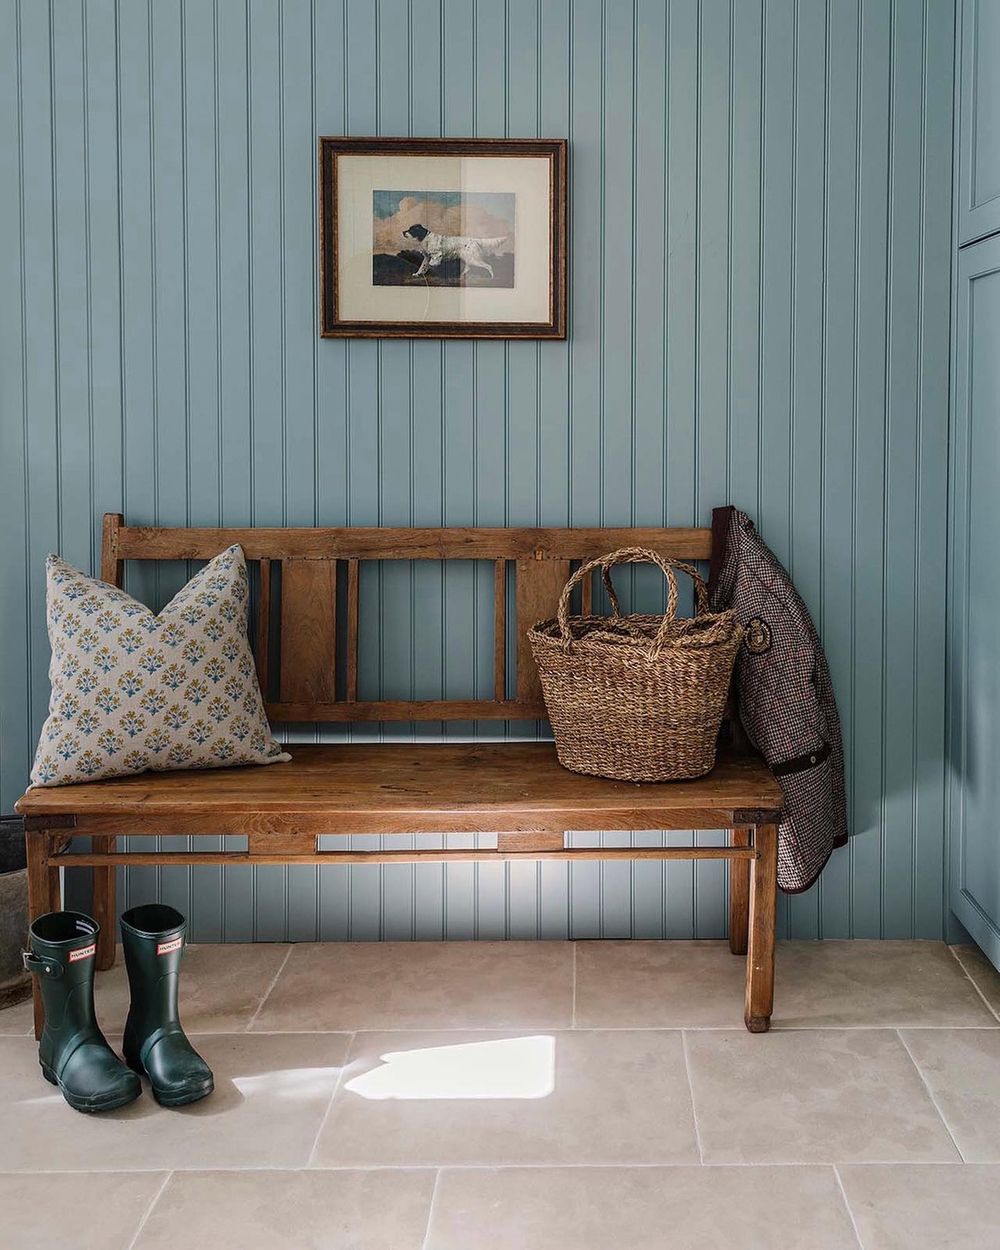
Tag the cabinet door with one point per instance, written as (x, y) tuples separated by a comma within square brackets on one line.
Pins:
[(979, 121), (974, 601)]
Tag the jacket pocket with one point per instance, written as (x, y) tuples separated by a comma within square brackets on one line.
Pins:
[(809, 816), (800, 763)]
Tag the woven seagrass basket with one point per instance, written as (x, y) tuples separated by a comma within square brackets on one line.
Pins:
[(637, 697)]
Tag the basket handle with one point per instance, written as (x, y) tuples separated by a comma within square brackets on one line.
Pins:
[(609, 590), (633, 555), (701, 591)]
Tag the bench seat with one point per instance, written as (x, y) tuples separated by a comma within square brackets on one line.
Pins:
[(483, 787)]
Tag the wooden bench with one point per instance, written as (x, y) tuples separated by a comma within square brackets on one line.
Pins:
[(516, 790)]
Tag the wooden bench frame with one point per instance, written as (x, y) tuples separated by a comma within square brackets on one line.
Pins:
[(513, 790)]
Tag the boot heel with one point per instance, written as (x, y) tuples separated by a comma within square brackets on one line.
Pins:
[(49, 1075)]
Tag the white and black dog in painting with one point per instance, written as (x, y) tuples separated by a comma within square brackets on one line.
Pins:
[(469, 252)]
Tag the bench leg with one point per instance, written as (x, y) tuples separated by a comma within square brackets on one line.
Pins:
[(739, 895), (44, 894), (103, 902), (760, 953)]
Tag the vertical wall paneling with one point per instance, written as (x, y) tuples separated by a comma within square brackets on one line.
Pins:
[(617, 352), (838, 533), (172, 302), (932, 451), (680, 462), (554, 103), (425, 400), (712, 332), (394, 69), (492, 471), (300, 352), (460, 62), (17, 720), (759, 270), (331, 377), (808, 416), (202, 344), (365, 463), (646, 467), (901, 499), (137, 137), (232, 225)]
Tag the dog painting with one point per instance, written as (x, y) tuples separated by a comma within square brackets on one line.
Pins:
[(443, 238)]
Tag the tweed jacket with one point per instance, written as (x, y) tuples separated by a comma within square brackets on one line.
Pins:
[(784, 696)]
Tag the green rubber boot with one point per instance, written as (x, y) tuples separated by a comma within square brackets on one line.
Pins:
[(155, 1044), (73, 1052)]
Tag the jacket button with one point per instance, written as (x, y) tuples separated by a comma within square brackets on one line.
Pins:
[(812, 759)]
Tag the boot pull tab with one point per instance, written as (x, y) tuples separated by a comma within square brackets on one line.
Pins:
[(41, 964)]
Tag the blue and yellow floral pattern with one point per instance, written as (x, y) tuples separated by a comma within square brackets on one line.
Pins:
[(133, 691)]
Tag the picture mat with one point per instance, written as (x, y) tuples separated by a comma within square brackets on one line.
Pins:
[(358, 177)]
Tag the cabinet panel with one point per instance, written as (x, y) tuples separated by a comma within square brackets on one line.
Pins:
[(974, 600), (979, 121)]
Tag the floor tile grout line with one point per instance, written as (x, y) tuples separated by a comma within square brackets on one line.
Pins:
[(930, 1094), (694, 1110), (561, 1028), (580, 1028), (149, 1210), (333, 1095), (267, 993), (975, 985), (430, 1209), (847, 1204), (611, 1165)]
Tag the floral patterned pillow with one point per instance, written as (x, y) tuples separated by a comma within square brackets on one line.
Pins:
[(132, 691)]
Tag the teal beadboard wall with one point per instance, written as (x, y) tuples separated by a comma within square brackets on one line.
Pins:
[(759, 274)]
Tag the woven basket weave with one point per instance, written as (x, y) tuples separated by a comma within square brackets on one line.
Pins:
[(636, 698)]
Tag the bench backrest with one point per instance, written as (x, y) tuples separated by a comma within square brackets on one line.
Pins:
[(303, 573)]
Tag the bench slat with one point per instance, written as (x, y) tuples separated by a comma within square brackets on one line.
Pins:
[(539, 585), (397, 710), (352, 630), (262, 647), (500, 631), (308, 631), (141, 542), (408, 856)]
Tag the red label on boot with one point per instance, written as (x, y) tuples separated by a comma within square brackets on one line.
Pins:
[(164, 948), (84, 952)]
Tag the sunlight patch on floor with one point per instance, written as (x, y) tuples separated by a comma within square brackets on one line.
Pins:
[(516, 1067)]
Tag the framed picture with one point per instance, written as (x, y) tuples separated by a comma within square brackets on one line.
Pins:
[(443, 238)]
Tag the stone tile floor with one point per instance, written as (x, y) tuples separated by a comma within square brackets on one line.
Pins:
[(534, 1096)]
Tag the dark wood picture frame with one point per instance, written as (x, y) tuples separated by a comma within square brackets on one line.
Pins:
[(331, 326)]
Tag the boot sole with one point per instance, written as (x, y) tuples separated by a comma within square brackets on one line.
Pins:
[(88, 1105), (184, 1097), (179, 1098)]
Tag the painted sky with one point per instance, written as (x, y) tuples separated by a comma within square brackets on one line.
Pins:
[(475, 214)]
